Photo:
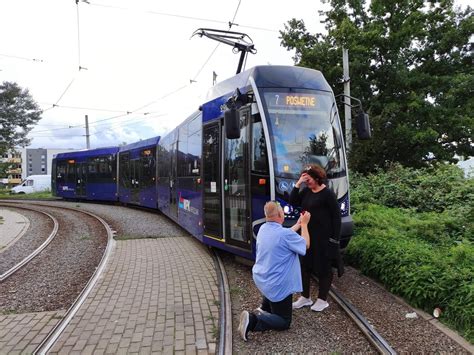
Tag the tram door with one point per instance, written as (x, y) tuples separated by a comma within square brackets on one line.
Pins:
[(54, 177), (81, 179), (173, 182), (211, 156), (236, 183), (135, 176)]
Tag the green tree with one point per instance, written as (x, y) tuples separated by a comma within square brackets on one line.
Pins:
[(410, 64), (3, 169), (18, 113)]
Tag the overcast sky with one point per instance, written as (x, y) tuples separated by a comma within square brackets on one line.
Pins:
[(137, 60)]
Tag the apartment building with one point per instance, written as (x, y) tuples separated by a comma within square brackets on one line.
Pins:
[(24, 162), (14, 171)]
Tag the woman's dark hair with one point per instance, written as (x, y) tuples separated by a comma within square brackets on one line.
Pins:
[(316, 172)]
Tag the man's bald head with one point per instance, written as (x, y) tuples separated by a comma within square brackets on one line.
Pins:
[(274, 212)]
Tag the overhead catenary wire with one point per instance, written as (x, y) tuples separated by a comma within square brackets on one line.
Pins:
[(193, 18), (235, 15), (135, 121), (230, 23), (83, 108), (64, 92), (81, 125), (126, 113), (22, 58), (205, 63)]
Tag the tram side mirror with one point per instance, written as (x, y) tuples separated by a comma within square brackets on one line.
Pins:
[(363, 126), (232, 124)]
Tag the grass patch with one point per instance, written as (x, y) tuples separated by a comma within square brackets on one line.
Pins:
[(46, 195), (234, 290), (7, 312), (214, 331)]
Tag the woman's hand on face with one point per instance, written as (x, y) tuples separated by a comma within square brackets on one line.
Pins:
[(303, 178)]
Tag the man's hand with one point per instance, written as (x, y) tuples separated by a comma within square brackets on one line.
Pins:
[(296, 227), (304, 218), (304, 227)]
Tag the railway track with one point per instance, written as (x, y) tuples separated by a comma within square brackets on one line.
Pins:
[(307, 320), (38, 250), (225, 316), (51, 338), (372, 335), (54, 334)]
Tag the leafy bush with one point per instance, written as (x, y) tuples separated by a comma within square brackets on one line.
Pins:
[(426, 274), (425, 190), (414, 233)]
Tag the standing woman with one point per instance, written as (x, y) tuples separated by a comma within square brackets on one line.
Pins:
[(324, 230)]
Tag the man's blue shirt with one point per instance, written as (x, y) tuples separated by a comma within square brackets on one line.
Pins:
[(277, 271)]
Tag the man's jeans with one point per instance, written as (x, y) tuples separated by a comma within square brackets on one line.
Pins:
[(276, 315)]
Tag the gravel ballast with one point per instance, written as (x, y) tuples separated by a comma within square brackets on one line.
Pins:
[(55, 277), (38, 231), (331, 330), (310, 332)]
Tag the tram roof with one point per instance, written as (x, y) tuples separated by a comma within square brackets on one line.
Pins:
[(150, 142), (272, 76), (87, 153)]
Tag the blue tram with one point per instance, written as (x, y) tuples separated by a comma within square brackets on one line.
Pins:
[(89, 174), (212, 174), (137, 173)]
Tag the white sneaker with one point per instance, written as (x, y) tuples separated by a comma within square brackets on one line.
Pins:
[(319, 305), (302, 302), (244, 324), (259, 311)]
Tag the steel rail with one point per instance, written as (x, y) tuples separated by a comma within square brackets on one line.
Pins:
[(372, 335), (49, 341), (26, 260), (225, 308)]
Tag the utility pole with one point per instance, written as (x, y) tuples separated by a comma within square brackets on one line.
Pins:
[(347, 99), (88, 143)]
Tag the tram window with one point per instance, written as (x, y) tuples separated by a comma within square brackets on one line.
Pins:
[(125, 180), (70, 173), (314, 139), (101, 169), (163, 161), (193, 161), (195, 125), (182, 149), (148, 166), (61, 172), (259, 147), (189, 150)]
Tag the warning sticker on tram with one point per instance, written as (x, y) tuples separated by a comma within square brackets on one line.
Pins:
[(292, 100)]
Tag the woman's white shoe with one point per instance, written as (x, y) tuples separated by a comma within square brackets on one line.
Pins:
[(319, 305), (302, 302)]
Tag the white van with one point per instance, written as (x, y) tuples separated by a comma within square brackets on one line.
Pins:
[(33, 183)]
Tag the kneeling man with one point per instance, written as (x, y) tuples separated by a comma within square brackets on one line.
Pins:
[(277, 272)]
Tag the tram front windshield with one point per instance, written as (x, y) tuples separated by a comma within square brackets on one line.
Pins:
[(304, 129)]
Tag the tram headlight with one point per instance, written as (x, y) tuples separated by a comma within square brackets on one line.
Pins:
[(286, 209), (343, 207)]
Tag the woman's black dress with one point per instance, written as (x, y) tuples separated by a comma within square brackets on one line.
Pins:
[(324, 229)]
